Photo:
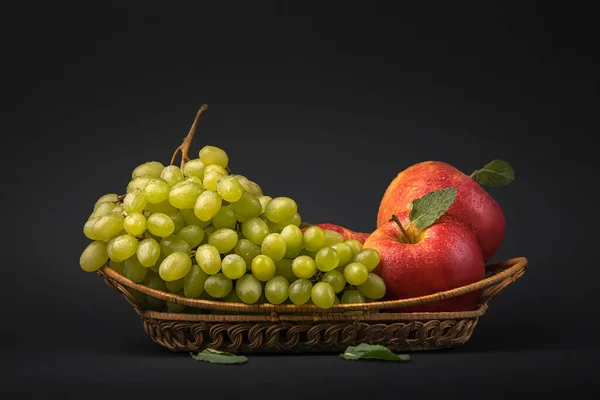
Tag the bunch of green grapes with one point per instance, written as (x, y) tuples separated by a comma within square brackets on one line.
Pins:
[(202, 232)]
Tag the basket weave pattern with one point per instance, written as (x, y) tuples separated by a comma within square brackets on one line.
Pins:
[(264, 328)]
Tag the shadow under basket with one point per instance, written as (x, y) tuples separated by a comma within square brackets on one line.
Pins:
[(287, 328)]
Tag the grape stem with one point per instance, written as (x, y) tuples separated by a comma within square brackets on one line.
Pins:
[(184, 147), (404, 233)]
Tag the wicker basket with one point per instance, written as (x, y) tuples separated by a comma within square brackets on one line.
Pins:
[(289, 328)]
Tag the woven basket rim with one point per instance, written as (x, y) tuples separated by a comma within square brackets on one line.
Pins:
[(504, 271)]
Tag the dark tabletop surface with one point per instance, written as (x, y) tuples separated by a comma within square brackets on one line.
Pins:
[(323, 103)]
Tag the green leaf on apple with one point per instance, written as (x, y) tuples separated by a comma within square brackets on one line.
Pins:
[(496, 173), (218, 357), (372, 352), (427, 209)]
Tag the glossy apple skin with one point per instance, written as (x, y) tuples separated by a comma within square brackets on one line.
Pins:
[(447, 256), (473, 206), (345, 232)]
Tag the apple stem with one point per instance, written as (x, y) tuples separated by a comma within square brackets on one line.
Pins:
[(404, 233), (474, 174), (184, 147)]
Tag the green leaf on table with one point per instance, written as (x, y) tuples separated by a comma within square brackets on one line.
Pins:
[(427, 209), (218, 357), (372, 352), (496, 173)]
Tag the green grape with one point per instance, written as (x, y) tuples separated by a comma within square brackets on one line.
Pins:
[(210, 180), (336, 279), (137, 295), (322, 295), (134, 270), (284, 268), (296, 220), (193, 282), (215, 168), (218, 285), (248, 289), (225, 218), (109, 197), (160, 224), (280, 209), (190, 218), (153, 303), (333, 237), (192, 234), (175, 286), (352, 297), (304, 267), (175, 266), (345, 253), (184, 195), (369, 258), (327, 259), (156, 268), (121, 247), (255, 189), (356, 273), (233, 266), (118, 210), (209, 259), (88, 228), (241, 218), (108, 226), (247, 250), (151, 169), (157, 190), (193, 179), (172, 174), (373, 288), (273, 246), (137, 184), (263, 201), (299, 291), (247, 206), (223, 239), (134, 201), (314, 238), (355, 244), (118, 267), (135, 224), (232, 297), (178, 221), (255, 230), (294, 240), (276, 290), (148, 252), (172, 244), (174, 307), (207, 231), (263, 268), (207, 205), (103, 209), (245, 182), (211, 155), (194, 168), (94, 256), (229, 189), (163, 207)]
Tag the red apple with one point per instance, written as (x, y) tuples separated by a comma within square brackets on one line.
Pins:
[(345, 232), (473, 206), (441, 257)]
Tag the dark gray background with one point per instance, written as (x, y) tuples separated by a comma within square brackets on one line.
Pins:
[(323, 102)]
